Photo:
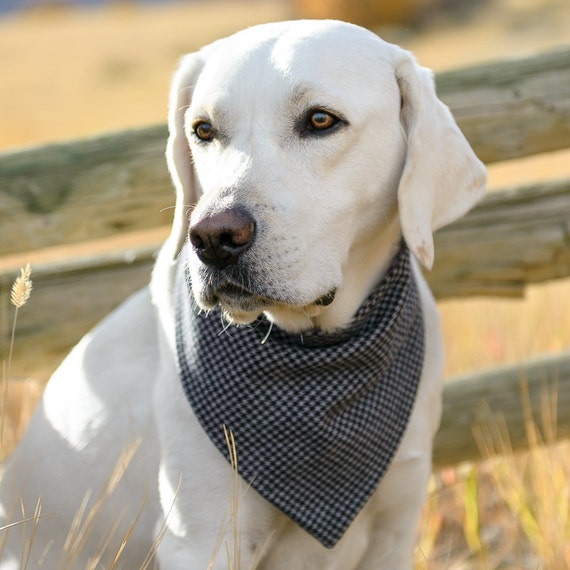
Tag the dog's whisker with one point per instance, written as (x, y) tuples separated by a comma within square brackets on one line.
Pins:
[(187, 106), (264, 340), (225, 325)]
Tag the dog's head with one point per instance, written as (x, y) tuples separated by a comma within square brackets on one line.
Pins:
[(301, 152)]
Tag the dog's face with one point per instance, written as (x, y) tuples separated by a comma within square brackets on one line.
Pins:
[(298, 135), (279, 131)]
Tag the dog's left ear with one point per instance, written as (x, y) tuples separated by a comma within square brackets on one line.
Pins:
[(442, 177), (178, 156)]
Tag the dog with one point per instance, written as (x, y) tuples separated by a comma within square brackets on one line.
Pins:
[(307, 156)]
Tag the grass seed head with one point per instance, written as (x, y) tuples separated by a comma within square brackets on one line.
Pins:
[(22, 287)]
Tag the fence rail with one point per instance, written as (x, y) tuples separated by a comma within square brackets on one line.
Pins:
[(539, 388), (118, 183), (101, 207)]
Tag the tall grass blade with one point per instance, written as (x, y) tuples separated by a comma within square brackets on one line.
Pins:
[(19, 296)]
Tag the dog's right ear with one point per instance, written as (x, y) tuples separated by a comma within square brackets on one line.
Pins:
[(178, 156), (442, 177)]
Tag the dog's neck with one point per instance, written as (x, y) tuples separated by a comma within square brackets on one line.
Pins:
[(367, 264)]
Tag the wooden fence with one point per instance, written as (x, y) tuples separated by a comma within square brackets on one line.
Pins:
[(91, 214)]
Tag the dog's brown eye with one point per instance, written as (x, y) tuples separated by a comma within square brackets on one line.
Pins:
[(204, 131), (320, 120)]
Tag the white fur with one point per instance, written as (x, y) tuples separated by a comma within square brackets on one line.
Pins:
[(330, 212)]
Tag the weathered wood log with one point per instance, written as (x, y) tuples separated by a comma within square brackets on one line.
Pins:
[(514, 108), (118, 183), (474, 403), (69, 297), (512, 239), (83, 190)]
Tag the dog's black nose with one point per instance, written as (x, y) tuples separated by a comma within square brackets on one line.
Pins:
[(219, 239)]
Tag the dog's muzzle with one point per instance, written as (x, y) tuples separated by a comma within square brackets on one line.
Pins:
[(219, 240)]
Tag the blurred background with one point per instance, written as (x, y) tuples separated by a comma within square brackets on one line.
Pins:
[(72, 68)]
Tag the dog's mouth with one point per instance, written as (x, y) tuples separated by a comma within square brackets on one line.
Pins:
[(230, 294), (326, 299), (236, 298)]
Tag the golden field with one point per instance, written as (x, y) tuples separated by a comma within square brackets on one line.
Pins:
[(69, 73)]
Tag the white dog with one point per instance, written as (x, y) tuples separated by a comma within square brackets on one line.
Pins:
[(303, 153)]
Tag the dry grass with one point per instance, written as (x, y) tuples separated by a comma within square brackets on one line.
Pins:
[(510, 511), (19, 296), (110, 548), (73, 73), (228, 542)]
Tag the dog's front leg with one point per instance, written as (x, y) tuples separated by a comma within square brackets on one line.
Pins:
[(400, 501), (211, 524), (212, 519)]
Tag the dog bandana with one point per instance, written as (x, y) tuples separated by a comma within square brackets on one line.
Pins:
[(317, 417)]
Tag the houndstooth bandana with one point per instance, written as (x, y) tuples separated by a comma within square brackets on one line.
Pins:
[(317, 417)]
